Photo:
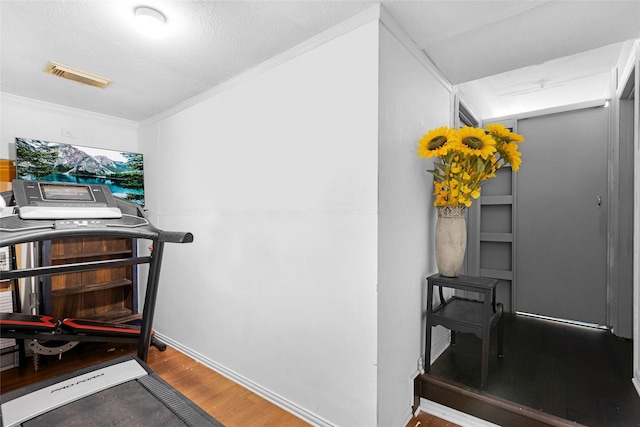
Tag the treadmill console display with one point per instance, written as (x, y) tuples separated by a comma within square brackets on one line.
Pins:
[(57, 192), (54, 200)]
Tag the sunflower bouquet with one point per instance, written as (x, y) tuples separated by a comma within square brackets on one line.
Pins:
[(467, 157)]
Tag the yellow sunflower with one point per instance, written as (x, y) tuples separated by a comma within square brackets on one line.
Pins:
[(512, 155), (466, 158), (501, 134), (436, 143), (474, 142), (514, 137), (498, 131)]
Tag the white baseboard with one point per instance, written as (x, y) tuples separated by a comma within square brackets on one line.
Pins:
[(452, 415), (267, 394), (636, 382)]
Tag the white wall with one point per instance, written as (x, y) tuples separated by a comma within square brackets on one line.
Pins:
[(277, 179), (412, 101), (27, 118)]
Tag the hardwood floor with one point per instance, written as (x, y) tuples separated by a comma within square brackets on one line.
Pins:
[(427, 420), (226, 401)]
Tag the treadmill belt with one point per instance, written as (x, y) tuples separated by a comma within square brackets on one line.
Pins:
[(122, 392), (108, 408)]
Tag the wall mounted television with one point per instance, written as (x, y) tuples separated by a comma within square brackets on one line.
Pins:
[(121, 171)]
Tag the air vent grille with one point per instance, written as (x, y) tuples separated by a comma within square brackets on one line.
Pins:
[(76, 75)]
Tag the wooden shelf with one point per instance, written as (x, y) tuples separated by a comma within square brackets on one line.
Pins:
[(116, 316), (463, 315), (93, 287), (106, 294), (107, 254)]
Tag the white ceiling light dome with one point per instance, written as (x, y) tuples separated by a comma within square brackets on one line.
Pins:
[(150, 22)]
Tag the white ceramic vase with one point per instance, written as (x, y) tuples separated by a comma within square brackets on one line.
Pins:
[(451, 239)]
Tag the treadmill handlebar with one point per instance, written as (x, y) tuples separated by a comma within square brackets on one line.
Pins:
[(175, 236)]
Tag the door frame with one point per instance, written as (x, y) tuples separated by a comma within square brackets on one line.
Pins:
[(631, 73), (620, 316)]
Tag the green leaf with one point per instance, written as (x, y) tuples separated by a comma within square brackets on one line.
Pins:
[(438, 176)]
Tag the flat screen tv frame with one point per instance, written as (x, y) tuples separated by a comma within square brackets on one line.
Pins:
[(122, 171)]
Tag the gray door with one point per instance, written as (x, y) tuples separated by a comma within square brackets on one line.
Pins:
[(561, 213)]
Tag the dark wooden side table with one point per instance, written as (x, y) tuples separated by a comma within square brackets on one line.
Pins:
[(465, 315)]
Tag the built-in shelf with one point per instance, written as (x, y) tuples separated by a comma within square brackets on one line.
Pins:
[(116, 316), (107, 294), (92, 287), (103, 254)]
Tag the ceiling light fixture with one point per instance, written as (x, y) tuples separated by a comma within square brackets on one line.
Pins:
[(150, 22)]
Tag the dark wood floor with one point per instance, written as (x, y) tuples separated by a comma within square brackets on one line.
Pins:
[(576, 373)]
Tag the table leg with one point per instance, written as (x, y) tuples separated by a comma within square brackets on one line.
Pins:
[(485, 359), (486, 340), (500, 333), (427, 341)]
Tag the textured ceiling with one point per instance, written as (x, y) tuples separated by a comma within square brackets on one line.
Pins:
[(209, 42)]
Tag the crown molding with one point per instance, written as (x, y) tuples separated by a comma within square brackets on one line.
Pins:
[(377, 12), (629, 67), (61, 109), (345, 27), (401, 35)]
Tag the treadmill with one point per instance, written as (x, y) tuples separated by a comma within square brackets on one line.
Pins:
[(115, 392)]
